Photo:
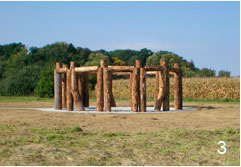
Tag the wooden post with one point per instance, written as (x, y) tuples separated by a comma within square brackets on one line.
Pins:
[(130, 88), (69, 98), (166, 102), (160, 91), (80, 87), (57, 89), (157, 86), (163, 93), (74, 89), (107, 94), (113, 104), (135, 87), (142, 90), (63, 83), (99, 91), (177, 88), (86, 89)]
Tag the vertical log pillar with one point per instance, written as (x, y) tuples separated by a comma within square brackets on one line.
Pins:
[(130, 89), (86, 89), (64, 88), (142, 90), (157, 86), (69, 98), (113, 104), (159, 90), (100, 89), (57, 89), (135, 87), (80, 88), (177, 88), (166, 102), (74, 89), (107, 91)]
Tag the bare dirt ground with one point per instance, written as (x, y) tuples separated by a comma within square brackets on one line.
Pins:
[(207, 116)]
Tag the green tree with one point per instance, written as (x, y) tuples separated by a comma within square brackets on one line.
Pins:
[(20, 81), (94, 59), (205, 72), (170, 58), (223, 73), (81, 56), (9, 49)]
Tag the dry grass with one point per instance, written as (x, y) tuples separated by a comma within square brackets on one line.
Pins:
[(30, 137)]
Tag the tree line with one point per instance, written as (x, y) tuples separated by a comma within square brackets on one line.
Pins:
[(30, 71)]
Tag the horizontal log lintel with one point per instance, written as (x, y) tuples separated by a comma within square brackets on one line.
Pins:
[(121, 68), (153, 68), (151, 72), (61, 70), (121, 73), (174, 70), (86, 69)]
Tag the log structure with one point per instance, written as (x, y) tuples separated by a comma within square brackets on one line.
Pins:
[(71, 86), (57, 88), (177, 88)]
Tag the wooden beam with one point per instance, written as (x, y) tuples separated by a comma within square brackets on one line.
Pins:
[(157, 75), (80, 86), (166, 101), (107, 94), (153, 68), (121, 73), (57, 89), (61, 70), (86, 89), (172, 73), (175, 70), (160, 80), (99, 88), (142, 90), (113, 104), (63, 83), (86, 69), (74, 89), (130, 89), (69, 98), (177, 89), (150, 72), (135, 88), (120, 68)]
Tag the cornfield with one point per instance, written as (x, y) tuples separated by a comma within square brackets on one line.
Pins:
[(194, 88)]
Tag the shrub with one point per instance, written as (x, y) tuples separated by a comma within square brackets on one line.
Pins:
[(45, 86), (20, 82)]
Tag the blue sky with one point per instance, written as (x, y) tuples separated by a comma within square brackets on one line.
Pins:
[(206, 32)]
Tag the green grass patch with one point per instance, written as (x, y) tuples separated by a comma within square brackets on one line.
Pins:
[(23, 99), (13, 99), (77, 129)]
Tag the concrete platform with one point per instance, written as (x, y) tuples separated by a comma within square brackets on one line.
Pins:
[(115, 110)]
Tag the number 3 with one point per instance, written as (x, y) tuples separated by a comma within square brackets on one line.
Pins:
[(223, 147)]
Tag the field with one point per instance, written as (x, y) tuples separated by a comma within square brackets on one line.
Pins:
[(208, 89), (31, 137)]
